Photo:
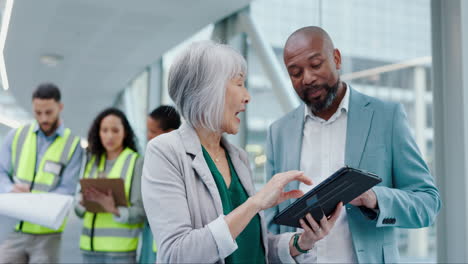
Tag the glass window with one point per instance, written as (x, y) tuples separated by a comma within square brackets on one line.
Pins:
[(134, 101), (12, 115), (169, 56)]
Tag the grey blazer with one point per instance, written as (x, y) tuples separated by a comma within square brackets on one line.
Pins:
[(183, 204)]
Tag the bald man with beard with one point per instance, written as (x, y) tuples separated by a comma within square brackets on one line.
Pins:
[(337, 126)]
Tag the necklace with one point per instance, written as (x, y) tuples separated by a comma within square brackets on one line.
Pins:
[(217, 155)]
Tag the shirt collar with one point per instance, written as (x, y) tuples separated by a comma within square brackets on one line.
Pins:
[(343, 107), (59, 131)]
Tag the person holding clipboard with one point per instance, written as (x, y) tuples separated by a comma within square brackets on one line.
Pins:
[(112, 236)]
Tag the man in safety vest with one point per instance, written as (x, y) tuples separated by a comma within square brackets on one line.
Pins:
[(40, 157)]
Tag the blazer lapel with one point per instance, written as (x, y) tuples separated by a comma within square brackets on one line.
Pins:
[(359, 122), (294, 131), (193, 147), (242, 169)]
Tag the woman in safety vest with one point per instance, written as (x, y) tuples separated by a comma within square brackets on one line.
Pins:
[(112, 236)]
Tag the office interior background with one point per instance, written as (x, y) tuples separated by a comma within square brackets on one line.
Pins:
[(117, 53)]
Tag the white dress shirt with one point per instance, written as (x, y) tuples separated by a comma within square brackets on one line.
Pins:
[(323, 153)]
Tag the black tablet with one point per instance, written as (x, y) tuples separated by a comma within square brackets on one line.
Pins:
[(343, 186)]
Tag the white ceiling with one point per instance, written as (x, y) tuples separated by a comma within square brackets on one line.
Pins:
[(104, 44)]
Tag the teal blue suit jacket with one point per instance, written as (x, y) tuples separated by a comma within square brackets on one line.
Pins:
[(378, 140)]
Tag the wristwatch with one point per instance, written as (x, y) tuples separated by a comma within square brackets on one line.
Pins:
[(296, 244)]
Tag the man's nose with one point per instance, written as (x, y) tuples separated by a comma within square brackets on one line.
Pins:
[(309, 78), (41, 118)]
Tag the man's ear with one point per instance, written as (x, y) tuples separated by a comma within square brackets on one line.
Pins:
[(337, 58)]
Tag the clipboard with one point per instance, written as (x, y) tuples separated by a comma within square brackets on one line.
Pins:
[(342, 186), (102, 185)]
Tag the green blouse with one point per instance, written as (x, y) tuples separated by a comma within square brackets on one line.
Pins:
[(250, 247)]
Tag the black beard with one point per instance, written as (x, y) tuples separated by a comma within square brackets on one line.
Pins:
[(329, 99), (52, 128)]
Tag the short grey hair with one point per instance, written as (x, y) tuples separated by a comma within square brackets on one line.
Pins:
[(197, 82)]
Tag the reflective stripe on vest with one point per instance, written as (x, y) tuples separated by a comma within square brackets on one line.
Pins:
[(45, 177), (111, 232), (100, 232)]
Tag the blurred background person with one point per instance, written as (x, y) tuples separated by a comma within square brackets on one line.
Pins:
[(197, 187), (163, 119), (40, 157), (112, 237)]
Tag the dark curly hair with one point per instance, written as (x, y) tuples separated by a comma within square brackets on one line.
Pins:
[(95, 146)]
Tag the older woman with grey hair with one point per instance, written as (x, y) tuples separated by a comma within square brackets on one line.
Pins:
[(197, 188)]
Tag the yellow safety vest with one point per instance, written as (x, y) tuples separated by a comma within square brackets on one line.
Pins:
[(47, 176), (100, 231)]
